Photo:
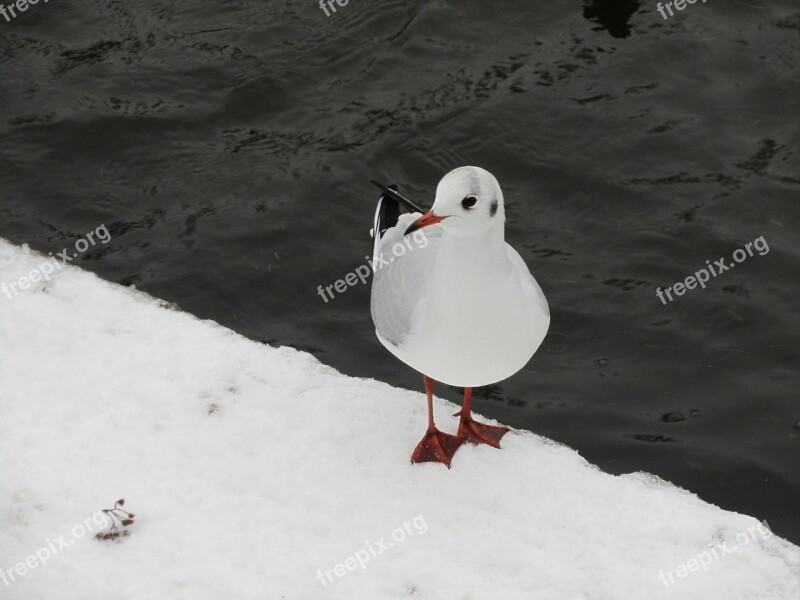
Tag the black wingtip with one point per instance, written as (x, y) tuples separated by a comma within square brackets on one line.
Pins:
[(391, 191), (387, 189)]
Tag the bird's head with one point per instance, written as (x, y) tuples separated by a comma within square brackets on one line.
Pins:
[(468, 202)]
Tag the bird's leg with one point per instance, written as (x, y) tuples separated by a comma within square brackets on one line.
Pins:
[(475, 432), (436, 446)]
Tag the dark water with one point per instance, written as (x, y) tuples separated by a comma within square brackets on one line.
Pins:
[(228, 147)]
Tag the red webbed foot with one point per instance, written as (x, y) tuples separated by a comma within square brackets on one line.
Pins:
[(480, 433), (437, 446)]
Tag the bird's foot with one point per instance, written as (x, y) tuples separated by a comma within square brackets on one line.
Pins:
[(479, 433), (437, 446)]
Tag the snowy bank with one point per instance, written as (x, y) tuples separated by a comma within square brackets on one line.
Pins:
[(260, 473)]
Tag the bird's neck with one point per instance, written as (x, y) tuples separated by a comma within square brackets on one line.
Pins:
[(473, 255)]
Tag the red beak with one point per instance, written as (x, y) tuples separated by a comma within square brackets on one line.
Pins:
[(427, 219)]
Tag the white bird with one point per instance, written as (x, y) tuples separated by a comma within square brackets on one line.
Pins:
[(459, 305)]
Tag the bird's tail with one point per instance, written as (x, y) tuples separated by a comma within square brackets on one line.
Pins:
[(388, 212)]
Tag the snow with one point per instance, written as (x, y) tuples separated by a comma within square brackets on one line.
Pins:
[(254, 470)]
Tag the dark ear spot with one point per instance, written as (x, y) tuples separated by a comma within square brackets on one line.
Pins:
[(493, 208)]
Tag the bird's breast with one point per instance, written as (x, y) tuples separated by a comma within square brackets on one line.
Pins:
[(476, 334)]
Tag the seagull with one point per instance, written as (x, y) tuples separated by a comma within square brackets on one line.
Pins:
[(462, 308)]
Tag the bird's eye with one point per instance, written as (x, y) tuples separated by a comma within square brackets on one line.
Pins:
[(469, 201)]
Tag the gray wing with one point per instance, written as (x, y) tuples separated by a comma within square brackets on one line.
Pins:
[(403, 267), (527, 280)]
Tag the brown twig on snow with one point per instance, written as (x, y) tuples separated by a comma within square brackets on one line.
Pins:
[(116, 516)]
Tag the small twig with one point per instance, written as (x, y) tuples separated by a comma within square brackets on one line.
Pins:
[(116, 516)]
